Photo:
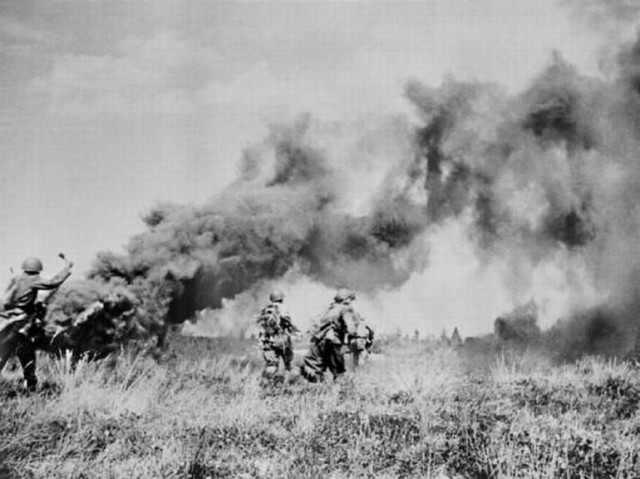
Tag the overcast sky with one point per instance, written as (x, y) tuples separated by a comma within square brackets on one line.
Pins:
[(109, 107)]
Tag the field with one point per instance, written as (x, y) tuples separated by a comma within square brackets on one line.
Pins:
[(415, 410)]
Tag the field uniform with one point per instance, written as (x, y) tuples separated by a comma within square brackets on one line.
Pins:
[(333, 332), (20, 305), (22, 292), (275, 336), (361, 340)]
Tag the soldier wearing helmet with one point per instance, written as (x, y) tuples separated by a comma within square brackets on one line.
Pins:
[(360, 340), (276, 328), (344, 296), (337, 325), (22, 292), (20, 301), (276, 296)]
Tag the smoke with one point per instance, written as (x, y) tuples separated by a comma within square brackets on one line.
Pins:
[(333, 214), (483, 202), (605, 14), (615, 21), (548, 181)]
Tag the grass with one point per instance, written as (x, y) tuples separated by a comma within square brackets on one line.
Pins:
[(202, 410)]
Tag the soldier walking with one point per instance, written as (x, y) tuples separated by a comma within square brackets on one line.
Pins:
[(275, 334), (333, 332)]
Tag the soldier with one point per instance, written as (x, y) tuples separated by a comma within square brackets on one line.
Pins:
[(361, 340), (333, 332), (275, 335), (20, 304)]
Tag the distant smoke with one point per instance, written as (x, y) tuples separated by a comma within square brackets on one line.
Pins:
[(605, 13), (520, 327), (545, 178), (515, 163)]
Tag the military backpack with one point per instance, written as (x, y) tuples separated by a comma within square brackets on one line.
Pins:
[(269, 320)]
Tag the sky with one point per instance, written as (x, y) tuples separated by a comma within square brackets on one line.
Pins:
[(107, 108)]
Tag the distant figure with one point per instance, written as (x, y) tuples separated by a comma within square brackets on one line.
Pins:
[(361, 340), (276, 328), (333, 332), (23, 317), (456, 339), (443, 340)]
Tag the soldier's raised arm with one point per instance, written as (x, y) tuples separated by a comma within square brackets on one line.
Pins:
[(59, 277)]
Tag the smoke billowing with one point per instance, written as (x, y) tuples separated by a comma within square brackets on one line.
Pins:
[(543, 183), (294, 206)]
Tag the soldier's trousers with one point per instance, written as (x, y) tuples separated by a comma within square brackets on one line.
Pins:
[(323, 355), (26, 352), (272, 353)]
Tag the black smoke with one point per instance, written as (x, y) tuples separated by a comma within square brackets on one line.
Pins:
[(552, 170)]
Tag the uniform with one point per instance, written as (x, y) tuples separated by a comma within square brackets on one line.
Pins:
[(20, 301), (275, 337), (23, 290), (333, 332), (361, 340)]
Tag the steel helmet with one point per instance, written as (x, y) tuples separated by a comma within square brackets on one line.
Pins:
[(32, 265), (276, 296), (343, 295)]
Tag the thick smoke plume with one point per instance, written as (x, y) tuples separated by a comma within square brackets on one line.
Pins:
[(550, 175), (545, 179), (296, 206)]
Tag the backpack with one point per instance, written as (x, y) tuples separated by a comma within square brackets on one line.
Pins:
[(269, 320), (326, 327)]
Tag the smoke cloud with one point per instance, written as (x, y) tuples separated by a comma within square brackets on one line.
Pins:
[(537, 191)]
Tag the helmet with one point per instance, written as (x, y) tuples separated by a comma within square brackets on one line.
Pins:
[(32, 265), (276, 296), (343, 295)]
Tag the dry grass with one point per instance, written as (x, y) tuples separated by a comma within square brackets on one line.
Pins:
[(203, 411)]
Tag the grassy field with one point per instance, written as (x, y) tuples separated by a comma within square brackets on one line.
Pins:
[(414, 411)]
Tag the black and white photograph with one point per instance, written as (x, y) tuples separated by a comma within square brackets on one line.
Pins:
[(319, 239)]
